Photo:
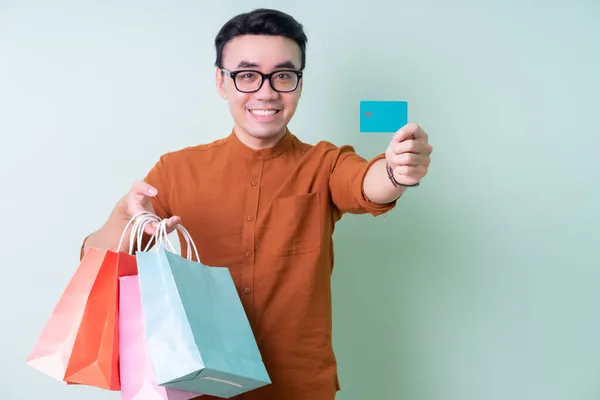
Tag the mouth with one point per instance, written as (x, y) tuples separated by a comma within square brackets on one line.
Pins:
[(264, 112), (264, 115)]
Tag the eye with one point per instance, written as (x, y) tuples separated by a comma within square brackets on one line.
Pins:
[(247, 76), (283, 76)]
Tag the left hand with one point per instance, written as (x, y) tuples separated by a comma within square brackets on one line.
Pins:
[(409, 154)]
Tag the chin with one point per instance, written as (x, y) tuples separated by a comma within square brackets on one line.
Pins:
[(265, 125), (266, 134)]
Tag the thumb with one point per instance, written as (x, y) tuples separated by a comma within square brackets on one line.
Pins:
[(402, 134), (140, 190)]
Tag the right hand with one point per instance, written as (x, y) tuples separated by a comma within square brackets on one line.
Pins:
[(138, 199)]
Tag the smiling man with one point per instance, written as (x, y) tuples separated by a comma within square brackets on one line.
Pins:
[(264, 204)]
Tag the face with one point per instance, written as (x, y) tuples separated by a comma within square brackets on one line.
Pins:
[(260, 118)]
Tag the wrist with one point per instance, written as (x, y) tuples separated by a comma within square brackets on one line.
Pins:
[(392, 177), (119, 213)]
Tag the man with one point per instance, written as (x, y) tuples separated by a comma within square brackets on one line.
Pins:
[(264, 204)]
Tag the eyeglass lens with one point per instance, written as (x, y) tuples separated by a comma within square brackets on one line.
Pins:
[(248, 81)]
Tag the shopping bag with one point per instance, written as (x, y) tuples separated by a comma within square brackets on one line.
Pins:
[(79, 343), (136, 372), (198, 335)]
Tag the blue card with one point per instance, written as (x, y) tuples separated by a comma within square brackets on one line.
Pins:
[(383, 116)]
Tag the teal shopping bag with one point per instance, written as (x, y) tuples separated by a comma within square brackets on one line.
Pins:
[(199, 338)]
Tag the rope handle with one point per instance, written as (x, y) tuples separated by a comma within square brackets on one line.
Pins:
[(141, 220)]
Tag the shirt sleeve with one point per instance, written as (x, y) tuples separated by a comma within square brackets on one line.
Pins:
[(346, 183)]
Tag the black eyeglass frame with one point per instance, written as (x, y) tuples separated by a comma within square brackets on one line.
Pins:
[(264, 77)]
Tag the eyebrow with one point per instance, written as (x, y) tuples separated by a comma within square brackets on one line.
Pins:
[(250, 64)]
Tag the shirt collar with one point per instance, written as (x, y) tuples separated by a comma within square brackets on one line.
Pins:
[(262, 154)]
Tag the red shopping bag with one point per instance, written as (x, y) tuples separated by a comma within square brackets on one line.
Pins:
[(80, 342)]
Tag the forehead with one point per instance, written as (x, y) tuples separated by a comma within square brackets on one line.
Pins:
[(265, 52)]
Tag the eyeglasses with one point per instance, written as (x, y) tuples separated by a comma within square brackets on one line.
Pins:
[(250, 81)]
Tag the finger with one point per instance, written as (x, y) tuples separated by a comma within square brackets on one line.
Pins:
[(412, 146), (418, 133), (421, 135), (410, 172), (403, 133), (411, 159), (141, 189), (410, 130), (150, 228), (172, 223), (142, 195)]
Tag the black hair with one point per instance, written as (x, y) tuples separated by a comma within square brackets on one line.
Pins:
[(262, 21)]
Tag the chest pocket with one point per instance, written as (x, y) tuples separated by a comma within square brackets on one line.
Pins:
[(295, 225)]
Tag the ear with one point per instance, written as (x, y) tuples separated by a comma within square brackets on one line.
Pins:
[(220, 82)]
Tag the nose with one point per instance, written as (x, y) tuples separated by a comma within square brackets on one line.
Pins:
[(266, 92)]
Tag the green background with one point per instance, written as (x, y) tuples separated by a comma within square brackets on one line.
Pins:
[(484, 282)]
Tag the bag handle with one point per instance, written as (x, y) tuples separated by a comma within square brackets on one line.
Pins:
[(141, 220), (161, 236)]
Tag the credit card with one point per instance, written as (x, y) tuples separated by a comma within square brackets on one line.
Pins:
[(383, 116)]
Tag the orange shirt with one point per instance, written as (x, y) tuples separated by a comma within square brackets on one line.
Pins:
[(269, 217)]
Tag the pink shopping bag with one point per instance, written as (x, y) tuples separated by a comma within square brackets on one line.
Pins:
[(137, 375)]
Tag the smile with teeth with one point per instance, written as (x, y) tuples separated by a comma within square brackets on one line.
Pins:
[(264, 112)]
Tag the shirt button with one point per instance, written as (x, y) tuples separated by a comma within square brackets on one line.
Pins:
[(254, 183), (249, 218), (248, 254), (247, 290)]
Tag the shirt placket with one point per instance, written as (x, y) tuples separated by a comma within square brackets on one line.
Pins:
[(250, 212)]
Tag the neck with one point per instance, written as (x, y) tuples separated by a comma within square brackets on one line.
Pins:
[(257, 143)]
